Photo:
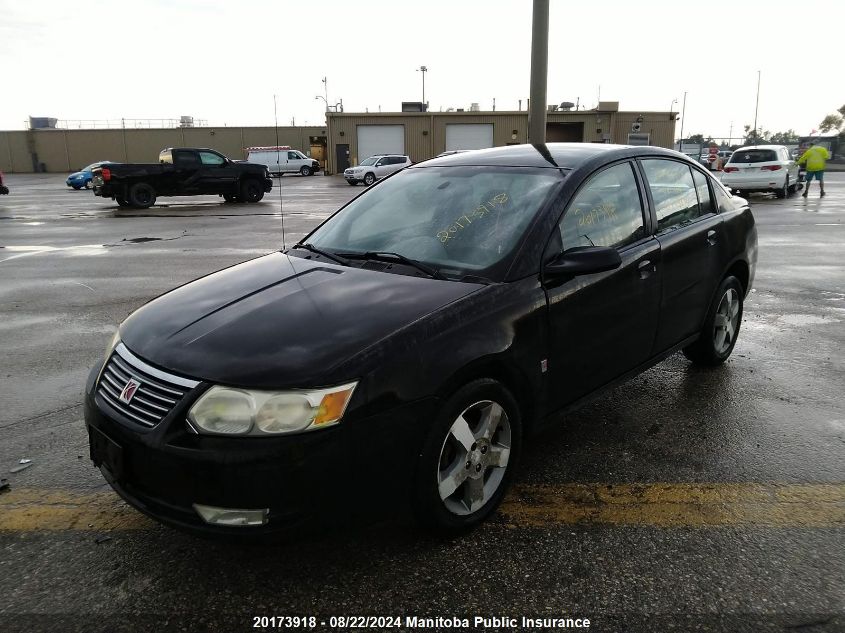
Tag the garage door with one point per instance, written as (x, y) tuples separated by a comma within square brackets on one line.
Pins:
[(380, 139), (469, 136)]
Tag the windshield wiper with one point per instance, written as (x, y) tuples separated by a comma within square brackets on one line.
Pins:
[(387, 256), (314, 249)]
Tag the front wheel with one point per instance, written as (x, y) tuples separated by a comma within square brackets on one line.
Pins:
[(251, 191), (122, 202), (468, 458), (721, 327), (305, 171), (369, 179)]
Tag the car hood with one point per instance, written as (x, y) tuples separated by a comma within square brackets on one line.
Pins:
[(79, 174), (280, 321)]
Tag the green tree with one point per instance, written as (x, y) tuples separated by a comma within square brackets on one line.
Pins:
[(831, 122), (755, 137), (784, 138)]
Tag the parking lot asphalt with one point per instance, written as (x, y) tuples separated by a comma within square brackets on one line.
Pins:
[(685, 499)]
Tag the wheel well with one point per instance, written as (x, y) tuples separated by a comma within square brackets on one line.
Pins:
[(511, 379), (739, 269)]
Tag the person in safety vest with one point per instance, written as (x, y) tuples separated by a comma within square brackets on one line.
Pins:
[(815, 158)]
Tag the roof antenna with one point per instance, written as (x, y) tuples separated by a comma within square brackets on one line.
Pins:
[(279, 165)]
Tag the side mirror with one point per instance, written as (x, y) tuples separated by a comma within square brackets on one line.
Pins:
[(583, 260)]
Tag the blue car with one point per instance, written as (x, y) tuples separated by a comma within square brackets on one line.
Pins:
[(82, 178)]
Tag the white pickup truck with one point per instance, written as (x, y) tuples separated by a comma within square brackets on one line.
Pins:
[(283, 160)]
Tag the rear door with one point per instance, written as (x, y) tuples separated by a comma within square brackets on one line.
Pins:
[(603, 325), (185, 177), (690, 235)]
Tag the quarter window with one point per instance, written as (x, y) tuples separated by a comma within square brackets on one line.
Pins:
[(607, 211), (705, 203), (673, 192)]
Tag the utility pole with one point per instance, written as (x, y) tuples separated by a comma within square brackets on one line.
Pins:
[(423, 70), (683, 120), (326, 88), (539, 72)]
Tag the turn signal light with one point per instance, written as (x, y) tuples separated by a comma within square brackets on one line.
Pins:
[(106, 173), (770, 168)]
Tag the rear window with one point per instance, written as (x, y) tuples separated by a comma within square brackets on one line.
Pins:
[(754, 156)]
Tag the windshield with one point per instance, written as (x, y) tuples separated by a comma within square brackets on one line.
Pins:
[(370, 161), (91, 166), (460, 220)]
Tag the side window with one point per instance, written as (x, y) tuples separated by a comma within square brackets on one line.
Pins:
[(673, 192), (705, 203), (293, 156), (607, 211), (208, 158)]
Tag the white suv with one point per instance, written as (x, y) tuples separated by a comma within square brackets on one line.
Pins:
[(375, 167), (761, 168)]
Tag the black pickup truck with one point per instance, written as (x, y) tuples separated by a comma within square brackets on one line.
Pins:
[(182, 171)]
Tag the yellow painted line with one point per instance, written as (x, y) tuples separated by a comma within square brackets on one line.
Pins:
[(661, 505), (668, 505), (33, 509)]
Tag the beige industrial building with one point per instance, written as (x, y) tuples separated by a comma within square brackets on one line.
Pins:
[(346, 139), (421, 135)]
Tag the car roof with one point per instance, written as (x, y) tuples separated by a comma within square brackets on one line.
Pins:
[(739, 149), (559, 155)]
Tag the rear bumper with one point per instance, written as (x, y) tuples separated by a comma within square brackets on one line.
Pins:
[(754, 184)]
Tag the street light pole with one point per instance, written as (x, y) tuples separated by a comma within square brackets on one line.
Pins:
[(539, 72), (423, 70), (683, 120), (756, 107)]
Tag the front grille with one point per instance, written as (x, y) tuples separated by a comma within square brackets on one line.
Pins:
[(157, 394)]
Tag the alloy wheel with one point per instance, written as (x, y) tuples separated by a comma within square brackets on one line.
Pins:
[(725, 323), (474, 457)]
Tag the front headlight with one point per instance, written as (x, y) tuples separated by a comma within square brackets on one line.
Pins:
[(230, 411)]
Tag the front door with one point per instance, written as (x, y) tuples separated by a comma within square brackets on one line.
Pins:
[(341, 157), (603, 325), (218, 175)]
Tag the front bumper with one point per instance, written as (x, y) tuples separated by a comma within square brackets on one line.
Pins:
[(307, 477), (268, 185)]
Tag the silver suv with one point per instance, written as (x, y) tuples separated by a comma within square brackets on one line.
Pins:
[(375, 167)]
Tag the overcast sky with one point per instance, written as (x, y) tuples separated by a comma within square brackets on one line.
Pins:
[(223, 61)]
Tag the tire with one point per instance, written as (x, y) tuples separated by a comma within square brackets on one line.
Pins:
[(783, 191), (228, 197), (142, 195), (369, 179), (251, 191), (352, 182), (122, 202), (305, 171), (461, 458), (77, 187), (793, 187), (721, 327)]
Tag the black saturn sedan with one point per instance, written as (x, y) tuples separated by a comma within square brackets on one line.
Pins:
[(400, 352)]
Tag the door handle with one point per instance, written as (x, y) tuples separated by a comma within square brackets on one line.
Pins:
[(711, 237), (645, 268)]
